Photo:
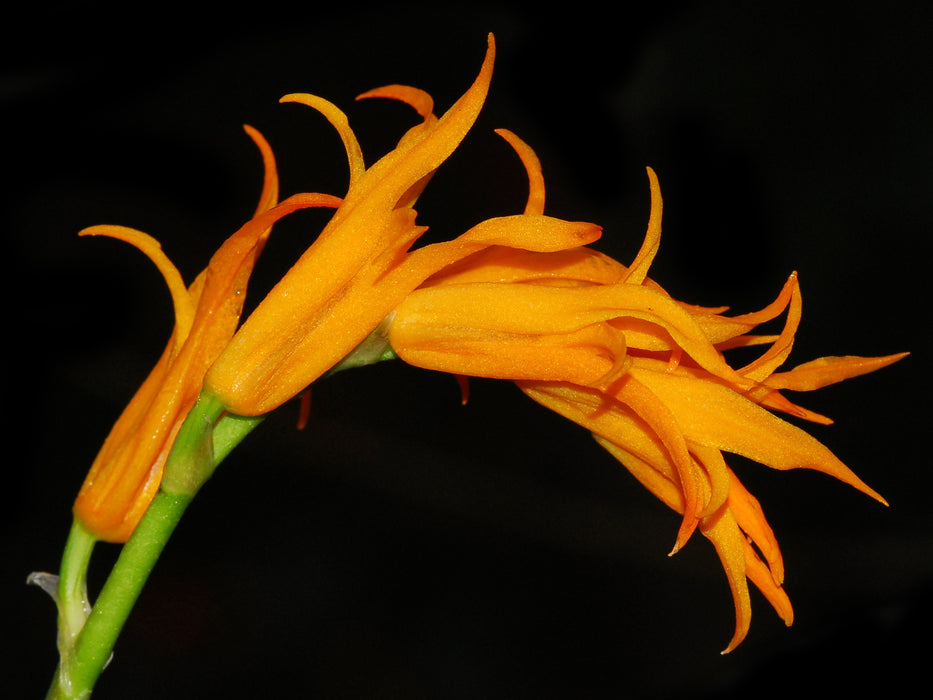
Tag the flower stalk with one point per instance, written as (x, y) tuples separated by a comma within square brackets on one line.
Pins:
[(78, 672), (87, 635)]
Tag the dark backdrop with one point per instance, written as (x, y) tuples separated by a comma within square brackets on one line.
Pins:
[(404, 546)]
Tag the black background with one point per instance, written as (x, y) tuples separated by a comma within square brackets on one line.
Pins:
[(404, 546)]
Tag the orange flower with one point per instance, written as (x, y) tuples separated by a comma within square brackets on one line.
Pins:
[(360, 266), (603, 345), (337, 293), (127, 471)]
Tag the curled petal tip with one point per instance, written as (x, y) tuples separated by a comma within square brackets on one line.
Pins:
[(687, 527), (733, 643)]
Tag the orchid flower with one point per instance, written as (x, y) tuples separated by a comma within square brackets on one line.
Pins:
[(360, 267), (605, 346), (127, 471), (334, 296), (521, 298)]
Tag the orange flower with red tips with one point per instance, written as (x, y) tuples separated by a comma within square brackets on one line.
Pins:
[(608, 348), (360, 267)]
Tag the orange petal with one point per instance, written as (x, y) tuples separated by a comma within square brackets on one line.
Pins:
[(764, 395), (829, 370), (418, 99), (338, 120), (270, 185), (230, 267), (638, 424), (121, 483), (589, 356), (423, 149), (711, 413), (127, 471), (276, 353), (751, 518), (774, 357), (662, 421), (722, 531), (579, 265), (664, 488), (717, 474), (535, 203), (759, 574), (728, 331), (638, 270), (184, 308), (628, 301)]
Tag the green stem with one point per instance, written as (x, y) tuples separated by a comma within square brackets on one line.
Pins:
[(71, 595), (76, 679), (69, 591), (191, 462), (87, 635)]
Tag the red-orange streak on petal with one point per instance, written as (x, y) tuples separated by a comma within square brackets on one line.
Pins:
[(304, 411), (270, 185), (464, 383), (417, 99)]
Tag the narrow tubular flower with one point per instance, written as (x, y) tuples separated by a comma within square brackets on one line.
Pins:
[(605, 346), (360, 266), (127, 471)]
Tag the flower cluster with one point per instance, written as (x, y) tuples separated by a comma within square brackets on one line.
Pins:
[(521, 298), (127, 471), (357, 270), (605, 346)]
